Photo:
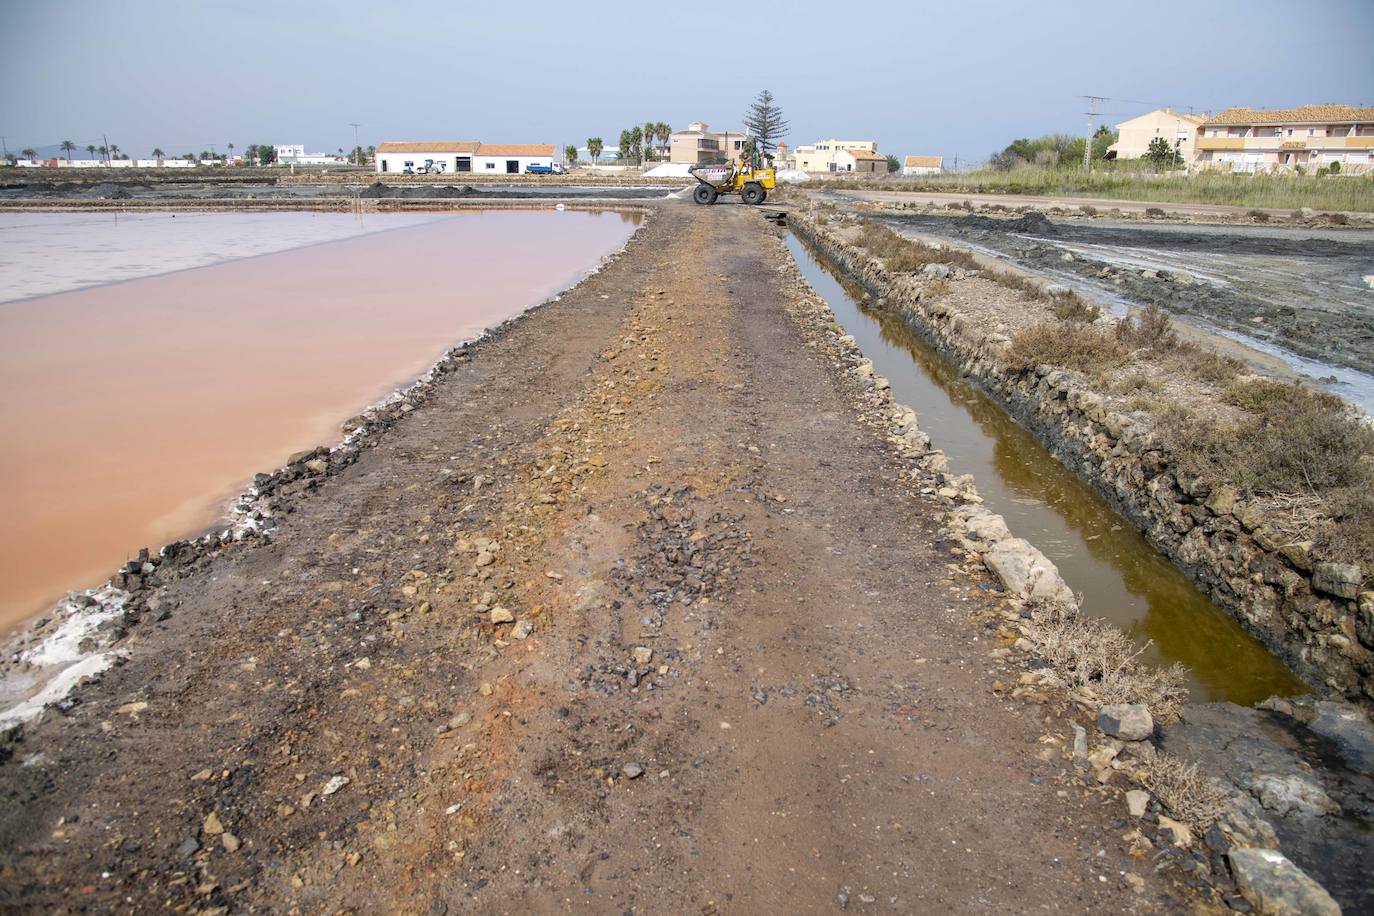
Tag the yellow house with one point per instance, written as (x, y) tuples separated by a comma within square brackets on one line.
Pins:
[(1313, 136), (820, 156), (1178, 129)]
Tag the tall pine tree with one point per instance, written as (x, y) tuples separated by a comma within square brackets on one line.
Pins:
[(765, 122)]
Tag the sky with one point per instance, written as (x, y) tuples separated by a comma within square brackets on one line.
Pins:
[(952, 79)]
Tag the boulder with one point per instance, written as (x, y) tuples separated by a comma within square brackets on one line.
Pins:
[(1290, 792), (1275, 886), (1027, 572), (1339, 579), (1127, 721)]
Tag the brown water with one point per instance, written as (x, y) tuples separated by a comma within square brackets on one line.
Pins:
[(133, 412), (1100, 554)]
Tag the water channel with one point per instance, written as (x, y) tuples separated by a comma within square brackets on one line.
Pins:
[(1100, 554)]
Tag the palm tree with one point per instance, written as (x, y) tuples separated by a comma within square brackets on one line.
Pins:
[(67, 147), (104, 152), (570, 153), (90, 150), (189, 157), (647, 137), (114, 151), (158, 154), (29, 154), (594, 149), (231, 152)]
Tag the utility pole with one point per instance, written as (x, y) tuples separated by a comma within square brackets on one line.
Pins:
[(355, 142), (1088, 140)]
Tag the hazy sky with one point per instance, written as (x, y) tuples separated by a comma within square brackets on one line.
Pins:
[(943, 78)]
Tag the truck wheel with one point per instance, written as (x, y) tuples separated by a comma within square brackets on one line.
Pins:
[(704, 194), (753, 193)]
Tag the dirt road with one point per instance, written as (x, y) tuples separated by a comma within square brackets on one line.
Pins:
[(748, 681)]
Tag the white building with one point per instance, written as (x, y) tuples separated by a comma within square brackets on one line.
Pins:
[(288, 152), (923, 165), (462, 156)]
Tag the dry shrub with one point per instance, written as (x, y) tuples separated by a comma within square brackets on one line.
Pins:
[(1190, 795), (1151, 329), (1087, 210), (902, 255), (1155, 211), (1072, 345), (1258, 216), (1293, 442), (1339, 219), (1092, 655), (1069, 306)]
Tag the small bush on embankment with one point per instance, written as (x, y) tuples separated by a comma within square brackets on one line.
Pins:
[(1186, 791), (1095, 657), (1305, 449)]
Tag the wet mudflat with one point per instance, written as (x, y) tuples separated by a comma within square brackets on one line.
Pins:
[(1101, 555), (1301, 289), (135, 410)]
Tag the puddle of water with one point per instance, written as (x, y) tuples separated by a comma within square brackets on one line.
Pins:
[(134, 411), (1100, 554)]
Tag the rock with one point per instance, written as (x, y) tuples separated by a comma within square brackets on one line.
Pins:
[(230, 842), (317, 466), (212, 826), (1277, 887), (1299, 554), (1282, 794), (939, 271), (1223, 500), (642, 655), (522, 629), (1179, 833), (188, 848), (1137, 800), (485, 558), (1127, 721), (1027, 572), (632, 771), (335, 784), (1340, 579), (501, 615)]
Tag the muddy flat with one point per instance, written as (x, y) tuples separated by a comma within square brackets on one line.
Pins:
[(634, 614)]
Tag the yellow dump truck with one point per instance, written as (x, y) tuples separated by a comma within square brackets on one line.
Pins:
[(751, 183)]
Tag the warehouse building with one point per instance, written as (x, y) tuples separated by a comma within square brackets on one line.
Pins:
[(461, 156)]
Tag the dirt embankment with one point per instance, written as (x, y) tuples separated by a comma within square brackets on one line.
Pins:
[(1300, 290), (615, 618)]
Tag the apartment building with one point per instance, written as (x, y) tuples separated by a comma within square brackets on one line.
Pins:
[(1313, 136), (820, 156)]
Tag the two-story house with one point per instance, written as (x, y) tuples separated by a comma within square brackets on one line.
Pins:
[(1250, 140), (699, 145), (820, 156)]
